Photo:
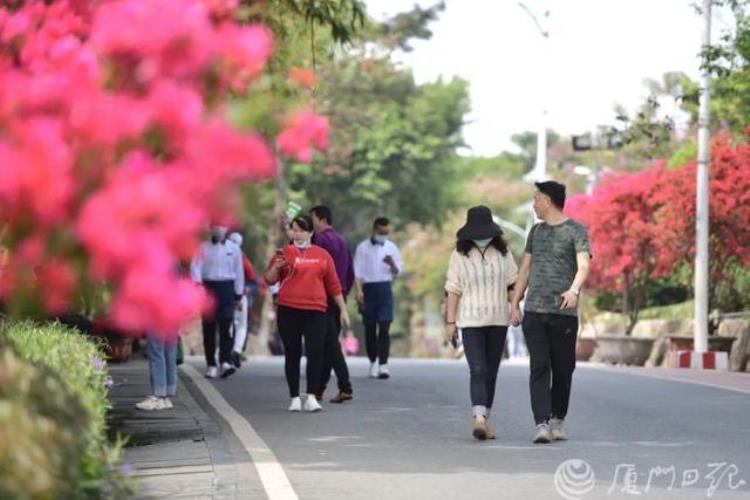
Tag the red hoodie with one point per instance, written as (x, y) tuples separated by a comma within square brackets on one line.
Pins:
[(308, 278)]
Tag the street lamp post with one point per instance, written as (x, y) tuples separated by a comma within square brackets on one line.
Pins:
[(702, 194), (539, 172)]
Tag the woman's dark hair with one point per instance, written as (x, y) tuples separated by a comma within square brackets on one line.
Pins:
[(464, 246), (304, 222)]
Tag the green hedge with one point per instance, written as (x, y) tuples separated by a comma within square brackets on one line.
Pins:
[(53, 406)]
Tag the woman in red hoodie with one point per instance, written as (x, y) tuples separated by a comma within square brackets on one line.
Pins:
[(307, 277)]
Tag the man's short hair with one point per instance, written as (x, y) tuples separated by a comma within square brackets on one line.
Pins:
[(380, 221), (554, 190), (322, 212)]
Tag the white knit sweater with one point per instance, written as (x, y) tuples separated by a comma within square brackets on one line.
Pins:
[(482, 283)]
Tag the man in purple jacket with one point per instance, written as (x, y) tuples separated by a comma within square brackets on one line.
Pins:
[(335, 244)]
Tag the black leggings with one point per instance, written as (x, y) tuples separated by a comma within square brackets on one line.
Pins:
[(484, 348), (293, 325), (378, 341)]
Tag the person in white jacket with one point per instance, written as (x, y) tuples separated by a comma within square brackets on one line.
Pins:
[(218, 267), (480, 274)]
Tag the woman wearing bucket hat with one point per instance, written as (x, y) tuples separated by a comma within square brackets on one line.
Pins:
[(480, 274)]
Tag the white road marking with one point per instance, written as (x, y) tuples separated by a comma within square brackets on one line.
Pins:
[(272, 475)]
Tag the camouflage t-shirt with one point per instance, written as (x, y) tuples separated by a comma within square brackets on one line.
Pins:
[(553, 252)]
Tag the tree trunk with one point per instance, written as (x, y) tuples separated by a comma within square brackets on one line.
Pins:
[(272, 243)]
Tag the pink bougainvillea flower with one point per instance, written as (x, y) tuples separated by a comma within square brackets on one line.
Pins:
[(139, 304), (246, 48), (307, 131), (173, 34), (56, 281), (115, 151), (108, 119), (36, 173), (175, 109), (221, 8), (219, 154)]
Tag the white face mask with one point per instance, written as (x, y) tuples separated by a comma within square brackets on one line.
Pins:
[(380, 238), (302, 244), (482, 243)]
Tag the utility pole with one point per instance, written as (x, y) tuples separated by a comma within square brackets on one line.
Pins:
[(701, 199)]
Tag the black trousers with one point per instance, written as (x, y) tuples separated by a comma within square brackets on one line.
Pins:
[(551, 340), (483, 347), (293, 325), (378, 341), (223, 294), (333, 357)]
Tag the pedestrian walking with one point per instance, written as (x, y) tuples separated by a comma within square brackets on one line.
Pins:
[(480, 274), (218, 267), (326, 237), (162, 366), (240, 322), (377, 262), (307, 277), (555, 266)]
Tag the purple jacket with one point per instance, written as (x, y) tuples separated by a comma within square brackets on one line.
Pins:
[(337, 247)]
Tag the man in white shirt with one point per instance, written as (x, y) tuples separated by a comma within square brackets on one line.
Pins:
[(377, 261), (218, 267)]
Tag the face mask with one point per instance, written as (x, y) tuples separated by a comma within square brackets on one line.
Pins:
[(482, 243), (380, 238), (302, 244)]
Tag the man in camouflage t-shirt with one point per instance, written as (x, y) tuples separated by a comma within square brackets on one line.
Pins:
[(554, 267)]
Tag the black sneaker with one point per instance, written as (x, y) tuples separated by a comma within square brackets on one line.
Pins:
[(236, 359), (227, 370)]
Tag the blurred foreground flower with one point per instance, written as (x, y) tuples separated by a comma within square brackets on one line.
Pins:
[(115, 152)]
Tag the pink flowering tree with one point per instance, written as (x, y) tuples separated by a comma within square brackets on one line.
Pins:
[(116, 152)]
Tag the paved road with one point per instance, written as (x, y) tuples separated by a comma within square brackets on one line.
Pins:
[(410, 437)]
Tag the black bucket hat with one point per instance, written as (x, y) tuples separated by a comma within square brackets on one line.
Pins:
[(479, 225)]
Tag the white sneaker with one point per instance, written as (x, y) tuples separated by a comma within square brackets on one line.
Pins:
[(543, 435), (296, 404), (212, 372), (167, 404), (374, 372), (383, 372), (311, 404), (152, 403), (557, 430)]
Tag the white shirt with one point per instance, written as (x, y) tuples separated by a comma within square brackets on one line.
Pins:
[(368, 261), (219, 262)]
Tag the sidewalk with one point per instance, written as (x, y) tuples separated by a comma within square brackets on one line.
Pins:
[(734, 381), (177, 453)]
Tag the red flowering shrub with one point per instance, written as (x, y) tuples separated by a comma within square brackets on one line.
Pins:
[(642, 225)]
